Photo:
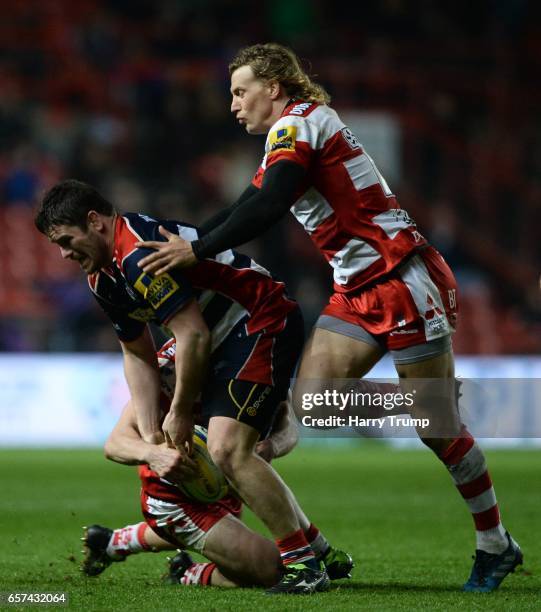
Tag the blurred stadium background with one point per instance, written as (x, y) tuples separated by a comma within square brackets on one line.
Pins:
[(132, 96)]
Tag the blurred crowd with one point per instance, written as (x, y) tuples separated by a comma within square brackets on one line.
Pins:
[(133, 97)]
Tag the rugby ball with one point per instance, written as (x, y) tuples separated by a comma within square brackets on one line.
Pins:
[(210, 484)]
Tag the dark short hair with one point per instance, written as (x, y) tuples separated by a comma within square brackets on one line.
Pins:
[(68, 203)]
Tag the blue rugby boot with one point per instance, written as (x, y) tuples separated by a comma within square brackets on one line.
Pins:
[(489, 570)]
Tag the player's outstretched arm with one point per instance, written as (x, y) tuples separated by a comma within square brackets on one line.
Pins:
[(143, 378), (125, 445), (255, 215), (247, 220), (178, 253), (192, 337)]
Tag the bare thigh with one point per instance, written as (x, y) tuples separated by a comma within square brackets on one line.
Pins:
[(433, 383), (329, 356)]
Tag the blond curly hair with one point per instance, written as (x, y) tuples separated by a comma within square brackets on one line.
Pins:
[(274, 62)]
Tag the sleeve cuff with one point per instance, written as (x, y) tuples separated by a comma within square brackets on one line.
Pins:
[(198, 249)]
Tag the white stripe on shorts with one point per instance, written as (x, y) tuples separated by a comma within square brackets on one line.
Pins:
[(173, 518), (417, 279)]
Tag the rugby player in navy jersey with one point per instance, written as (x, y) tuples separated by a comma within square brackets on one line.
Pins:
[(393, 292), (238, 336)]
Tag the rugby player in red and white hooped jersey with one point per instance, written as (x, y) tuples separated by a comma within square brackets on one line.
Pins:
[(393, 291), (237, 555)]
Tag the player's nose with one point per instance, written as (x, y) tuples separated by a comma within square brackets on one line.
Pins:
[(66, 253), (235, 106)]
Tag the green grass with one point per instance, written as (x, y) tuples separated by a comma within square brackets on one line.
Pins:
[(395, 511)]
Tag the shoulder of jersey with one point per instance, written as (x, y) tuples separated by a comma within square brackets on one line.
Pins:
[(145, 224), (300, 109), (139, 222)]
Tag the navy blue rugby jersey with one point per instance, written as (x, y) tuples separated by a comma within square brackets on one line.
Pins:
[(229, 287)]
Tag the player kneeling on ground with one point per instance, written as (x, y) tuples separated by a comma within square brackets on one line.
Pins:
[(238, 556)]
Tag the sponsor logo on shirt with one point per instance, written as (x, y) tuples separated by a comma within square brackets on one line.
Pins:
[(434, 316), (437, 324), (156, 290), (282, 140), (142, 314), (351, 139), (252, 410)]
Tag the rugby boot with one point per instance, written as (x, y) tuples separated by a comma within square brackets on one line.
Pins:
[(300, 580), (489, 570), (338, 563), (96, 560)]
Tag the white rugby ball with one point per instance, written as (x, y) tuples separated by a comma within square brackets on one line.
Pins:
[(210, 485)]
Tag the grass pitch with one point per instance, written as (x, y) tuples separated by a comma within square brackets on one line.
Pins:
[(395, 511)]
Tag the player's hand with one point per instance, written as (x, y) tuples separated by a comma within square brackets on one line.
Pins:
[(168, 463), (175, 253), (265, 449), (178, 430)]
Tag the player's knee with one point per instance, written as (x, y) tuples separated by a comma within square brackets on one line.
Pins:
[(227, 456), (437, 445), (263, 562)]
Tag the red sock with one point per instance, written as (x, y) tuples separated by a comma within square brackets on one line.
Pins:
[(294, 548), (198, 573)]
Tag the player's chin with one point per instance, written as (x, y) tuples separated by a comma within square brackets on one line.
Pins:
[(254, 130), (89, 266)]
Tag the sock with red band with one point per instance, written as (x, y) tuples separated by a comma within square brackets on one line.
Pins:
[(294, 549), (466, 464), (198, 573), (128, 541), (317, 541)]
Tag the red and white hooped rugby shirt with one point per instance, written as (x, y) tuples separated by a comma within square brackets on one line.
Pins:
[(345, 205)]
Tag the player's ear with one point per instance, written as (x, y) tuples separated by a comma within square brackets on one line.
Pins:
[(274, 89), (94, 220)]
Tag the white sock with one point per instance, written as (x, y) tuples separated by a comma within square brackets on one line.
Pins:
[(318, 542), (127, 541), (492, 541)]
